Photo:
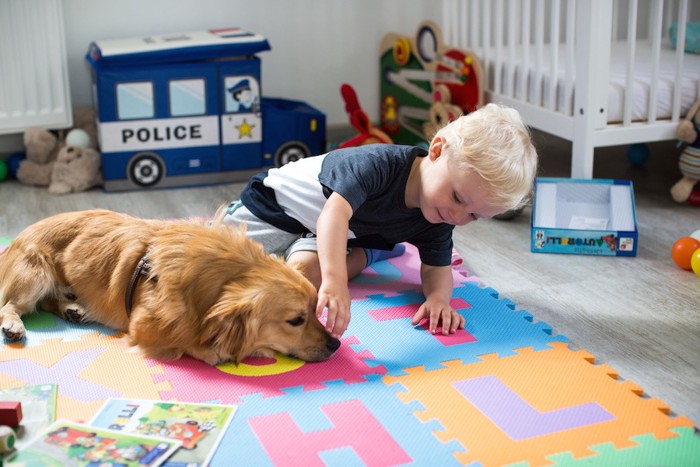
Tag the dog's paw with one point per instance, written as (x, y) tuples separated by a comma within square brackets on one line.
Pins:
[(74, 313), (14, 331)]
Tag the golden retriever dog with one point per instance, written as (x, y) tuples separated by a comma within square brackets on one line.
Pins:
[(176, 287)]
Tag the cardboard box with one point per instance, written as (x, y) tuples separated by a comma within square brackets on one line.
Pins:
[(584, 217)]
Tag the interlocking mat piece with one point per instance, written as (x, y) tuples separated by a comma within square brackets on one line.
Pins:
[(506, 390)]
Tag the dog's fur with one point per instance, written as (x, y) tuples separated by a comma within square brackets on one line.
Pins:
[(211, 293)]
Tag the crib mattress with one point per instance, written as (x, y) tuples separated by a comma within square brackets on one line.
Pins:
[(690, 82)]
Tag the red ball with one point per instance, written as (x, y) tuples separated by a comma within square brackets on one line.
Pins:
[(694, 198), (683, 251)]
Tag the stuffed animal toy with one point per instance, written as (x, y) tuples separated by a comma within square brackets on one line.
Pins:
[(41, 150), (688, 131), (44, 149), (76, 169)]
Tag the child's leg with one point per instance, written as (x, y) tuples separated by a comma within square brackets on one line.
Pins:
[(270, 237), (378, 255)]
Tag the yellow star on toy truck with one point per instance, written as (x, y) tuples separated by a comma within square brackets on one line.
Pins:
[(245, 129)]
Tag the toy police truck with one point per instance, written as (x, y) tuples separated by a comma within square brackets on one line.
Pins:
[(187, 109)]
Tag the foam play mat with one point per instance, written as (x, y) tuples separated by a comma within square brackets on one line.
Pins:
[(506, 390)]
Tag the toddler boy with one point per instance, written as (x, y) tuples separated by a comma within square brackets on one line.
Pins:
[(334, 214)]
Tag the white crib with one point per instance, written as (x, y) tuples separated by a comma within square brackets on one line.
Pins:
[(610, 77)]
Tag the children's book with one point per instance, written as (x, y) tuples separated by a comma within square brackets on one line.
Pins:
[(199, 427), (67, 444), (38, 410)]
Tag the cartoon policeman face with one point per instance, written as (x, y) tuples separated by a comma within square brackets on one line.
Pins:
[(244, 97)]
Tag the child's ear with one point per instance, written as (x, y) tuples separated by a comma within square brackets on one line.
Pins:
[(436, 147)]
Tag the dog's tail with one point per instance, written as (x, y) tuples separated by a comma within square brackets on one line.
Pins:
[(222, 211), (219, 215), (28, 268)]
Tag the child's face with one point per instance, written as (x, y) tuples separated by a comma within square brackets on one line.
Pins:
[(452, 196)]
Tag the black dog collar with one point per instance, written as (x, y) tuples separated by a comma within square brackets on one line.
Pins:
[(143, 268)]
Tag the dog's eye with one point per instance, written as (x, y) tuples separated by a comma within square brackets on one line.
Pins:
[(298, 321), (70, 296)]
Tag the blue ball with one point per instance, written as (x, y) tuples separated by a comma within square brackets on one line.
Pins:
[(638, 154), (13, 163)]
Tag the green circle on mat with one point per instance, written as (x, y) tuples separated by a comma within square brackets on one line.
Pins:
[(39, 320)]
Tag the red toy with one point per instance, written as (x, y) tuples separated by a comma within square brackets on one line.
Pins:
[(10, 413), (359, 119), (695, 197)]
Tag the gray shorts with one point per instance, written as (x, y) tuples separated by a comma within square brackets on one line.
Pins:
[(273, 240)]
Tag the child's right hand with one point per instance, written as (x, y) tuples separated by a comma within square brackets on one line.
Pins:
[(336, 298)]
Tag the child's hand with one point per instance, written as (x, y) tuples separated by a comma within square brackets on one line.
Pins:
[(439, 312), (337, 299)]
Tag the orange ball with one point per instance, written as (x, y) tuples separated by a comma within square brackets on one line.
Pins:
[(683, 251)]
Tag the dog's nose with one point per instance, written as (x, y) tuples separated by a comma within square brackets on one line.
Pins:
[(332, 344)]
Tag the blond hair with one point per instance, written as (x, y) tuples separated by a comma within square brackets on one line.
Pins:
[(495, 143)]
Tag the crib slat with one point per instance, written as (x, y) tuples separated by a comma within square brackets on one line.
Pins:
[(446, 26), (510, 64), (461, 23), (539, 51), (525, 40), (656, 33), (486, 40), (474, 26), (554, 53), (631, 50), (569, 54), (680, 50), (498, 61)]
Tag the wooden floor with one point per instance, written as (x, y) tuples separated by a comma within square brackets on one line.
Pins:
[(639, 315)]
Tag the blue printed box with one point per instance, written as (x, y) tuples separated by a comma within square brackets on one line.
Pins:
[(584, 217)]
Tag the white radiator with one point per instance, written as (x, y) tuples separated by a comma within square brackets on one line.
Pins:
[(34, 90)]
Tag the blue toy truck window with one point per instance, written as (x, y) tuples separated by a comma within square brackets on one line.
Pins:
[(187, 97), (242, 94), (135, 100)]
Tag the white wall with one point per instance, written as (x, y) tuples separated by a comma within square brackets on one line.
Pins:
[(316, 44)]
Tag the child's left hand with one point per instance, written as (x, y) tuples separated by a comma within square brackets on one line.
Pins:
[(439, 312)]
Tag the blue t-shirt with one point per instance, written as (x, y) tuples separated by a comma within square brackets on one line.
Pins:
[(373, 180)]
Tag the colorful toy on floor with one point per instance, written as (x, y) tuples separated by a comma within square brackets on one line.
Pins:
[(4, 170), (13, 163), (683, 251), (10, 413), (694, 198), (368, 133), (425, 83), (695, 262), (638, 154), (186, 109), (7, 439), (688, 131)]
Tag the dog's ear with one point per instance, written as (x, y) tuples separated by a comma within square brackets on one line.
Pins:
[(228, 329)]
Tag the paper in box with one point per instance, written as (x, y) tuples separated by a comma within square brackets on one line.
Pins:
[(582, 216)]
